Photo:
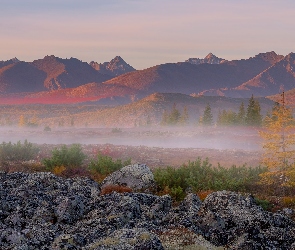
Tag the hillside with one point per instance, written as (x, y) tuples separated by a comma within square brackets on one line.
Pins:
[(149, 110)]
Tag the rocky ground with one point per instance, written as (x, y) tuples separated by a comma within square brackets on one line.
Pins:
[(42, 211)]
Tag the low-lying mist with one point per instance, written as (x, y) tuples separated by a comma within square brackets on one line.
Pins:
[(231, 138)]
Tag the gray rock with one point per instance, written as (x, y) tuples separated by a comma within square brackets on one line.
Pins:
[(228, 218), (138, 177), (42, 211), (128, 239)]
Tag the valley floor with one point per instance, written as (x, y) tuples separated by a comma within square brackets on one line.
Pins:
[(160, 146)]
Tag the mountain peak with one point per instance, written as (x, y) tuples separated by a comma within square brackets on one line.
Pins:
[(118, 58), (271, 57), (210, 55), (210, 58), (15, 60), (117, 66)]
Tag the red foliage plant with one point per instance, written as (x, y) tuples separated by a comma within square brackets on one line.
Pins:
[(115, 188)]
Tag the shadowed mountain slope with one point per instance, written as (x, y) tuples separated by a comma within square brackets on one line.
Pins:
[(67, 73), (21, 77), (188, 78), (272, 80)]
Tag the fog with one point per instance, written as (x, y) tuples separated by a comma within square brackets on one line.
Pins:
[(238, 138)]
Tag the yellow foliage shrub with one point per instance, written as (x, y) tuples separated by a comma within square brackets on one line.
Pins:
[(59, 170), (289, 201)]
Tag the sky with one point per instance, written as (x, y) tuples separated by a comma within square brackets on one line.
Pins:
[(145, 32)]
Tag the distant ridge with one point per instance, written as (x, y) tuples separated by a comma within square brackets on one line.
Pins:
[(68, 80)]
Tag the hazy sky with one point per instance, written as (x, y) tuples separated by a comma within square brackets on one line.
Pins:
[(145, 32)]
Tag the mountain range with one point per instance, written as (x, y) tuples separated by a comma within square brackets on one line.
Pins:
[(56, 80)]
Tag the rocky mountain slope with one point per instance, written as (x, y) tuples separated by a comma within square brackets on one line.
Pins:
[(210, 58), (115, 67), (42, 211)]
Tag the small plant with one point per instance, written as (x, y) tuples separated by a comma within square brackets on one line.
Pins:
[(59, 170), (116, 130), (47, 129), (17, 152), (115, 188), (105, 165), (265, 204), (203, 194), (69, 157), (288, 201)]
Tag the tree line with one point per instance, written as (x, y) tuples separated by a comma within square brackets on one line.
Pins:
[(250, 116)]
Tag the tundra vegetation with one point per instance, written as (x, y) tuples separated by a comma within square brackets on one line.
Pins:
[(197, 176)]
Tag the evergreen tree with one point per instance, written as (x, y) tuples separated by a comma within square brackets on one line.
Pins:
[(165, 118), (207, 116), (241, 115), (253, 116), (184, 118), (174, 115), (222, 118), (226, 118)]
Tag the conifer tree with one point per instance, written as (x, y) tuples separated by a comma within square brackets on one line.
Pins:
[(253, 116), (165, 118), (174, 115), (184, 118), (241, 114), (279, 141), (207, 116)]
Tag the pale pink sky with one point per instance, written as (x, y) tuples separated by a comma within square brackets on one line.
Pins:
[(145, 32)]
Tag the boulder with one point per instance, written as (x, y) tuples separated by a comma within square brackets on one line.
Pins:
[(229, 218), (128, 239), (137, 176)]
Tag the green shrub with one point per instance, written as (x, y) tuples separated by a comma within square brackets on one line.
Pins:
[(104, 165), (47, 129), (201, 175), (265, 204), (116, 130), (12, 152), (69, 157)]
